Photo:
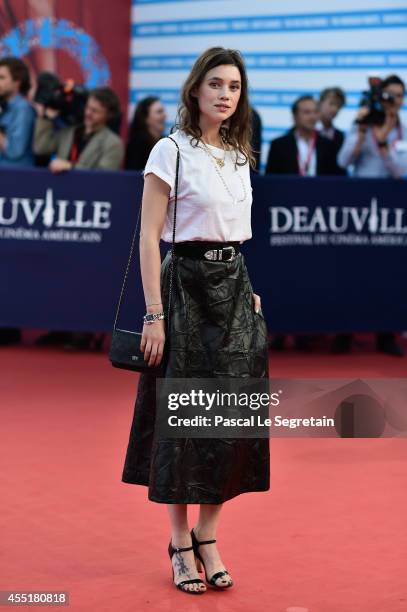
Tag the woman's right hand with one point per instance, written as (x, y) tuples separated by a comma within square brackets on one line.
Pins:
[(362, 113), (362, 127), (152, 342)]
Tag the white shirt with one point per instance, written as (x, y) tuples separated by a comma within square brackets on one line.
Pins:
[(303, 148), (205, 209)]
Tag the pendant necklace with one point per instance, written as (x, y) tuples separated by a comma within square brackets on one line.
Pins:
[(216, 166), (219, 160)]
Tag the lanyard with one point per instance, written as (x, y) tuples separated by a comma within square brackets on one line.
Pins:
[(304, 168), (73, 157), (79, 138), (74, 152)]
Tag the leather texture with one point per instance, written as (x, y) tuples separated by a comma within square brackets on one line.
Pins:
[(214, 332)]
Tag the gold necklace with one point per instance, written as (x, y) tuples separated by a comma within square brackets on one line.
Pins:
[(235, 200), (219, 160)]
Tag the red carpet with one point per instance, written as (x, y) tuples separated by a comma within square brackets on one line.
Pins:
[(329, 536)]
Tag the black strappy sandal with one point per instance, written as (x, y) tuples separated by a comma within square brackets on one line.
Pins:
[(171, 551), (200, 562)]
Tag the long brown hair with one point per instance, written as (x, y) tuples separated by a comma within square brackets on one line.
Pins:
[(236, 131)]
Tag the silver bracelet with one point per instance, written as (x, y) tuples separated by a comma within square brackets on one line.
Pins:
[(150, 318)]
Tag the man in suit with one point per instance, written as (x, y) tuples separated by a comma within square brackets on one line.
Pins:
[(89, 145), (331, 101), (302, 151)]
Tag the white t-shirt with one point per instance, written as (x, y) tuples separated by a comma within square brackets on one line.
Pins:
[(205, 209)]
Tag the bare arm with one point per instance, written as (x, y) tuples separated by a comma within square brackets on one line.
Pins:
[(154, 210)]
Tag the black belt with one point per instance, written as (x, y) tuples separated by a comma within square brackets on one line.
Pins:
[(211, 251)]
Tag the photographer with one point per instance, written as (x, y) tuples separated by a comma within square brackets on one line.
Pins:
[(90, 144), (17, 116), (377, 147), (377, 143)]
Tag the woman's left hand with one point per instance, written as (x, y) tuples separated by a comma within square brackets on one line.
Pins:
[(257, 302)]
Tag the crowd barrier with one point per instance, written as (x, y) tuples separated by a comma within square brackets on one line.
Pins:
[(327, 254)]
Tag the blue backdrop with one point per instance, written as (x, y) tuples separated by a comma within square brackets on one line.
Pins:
[(289, 48), (327, 254)]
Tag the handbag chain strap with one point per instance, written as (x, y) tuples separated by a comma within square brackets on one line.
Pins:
[(172, 246)]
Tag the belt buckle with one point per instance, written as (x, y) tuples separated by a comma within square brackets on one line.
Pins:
[(233, 253), (217, 254)]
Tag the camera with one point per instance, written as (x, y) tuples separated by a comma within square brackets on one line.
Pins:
[(373, 99), (68, 98)]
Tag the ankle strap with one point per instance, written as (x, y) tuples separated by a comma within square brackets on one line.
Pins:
[(199, 542), (177, 549)]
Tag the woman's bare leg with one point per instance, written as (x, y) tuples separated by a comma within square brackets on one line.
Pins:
[(205, 529), (183, 562)]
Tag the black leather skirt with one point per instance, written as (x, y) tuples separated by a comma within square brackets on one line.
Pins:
[(214, 332)]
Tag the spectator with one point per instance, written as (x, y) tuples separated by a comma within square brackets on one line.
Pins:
[(331, 101), (147, 127), (377, 151), (17, 118), (88, 145), (256, 138), (302, 150), (305, 152)]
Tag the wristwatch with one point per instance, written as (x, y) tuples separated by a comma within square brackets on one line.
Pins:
[(150, 318), (382, 143)]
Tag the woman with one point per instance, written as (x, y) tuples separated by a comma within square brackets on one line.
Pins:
[(216, 326), (146, 128)]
